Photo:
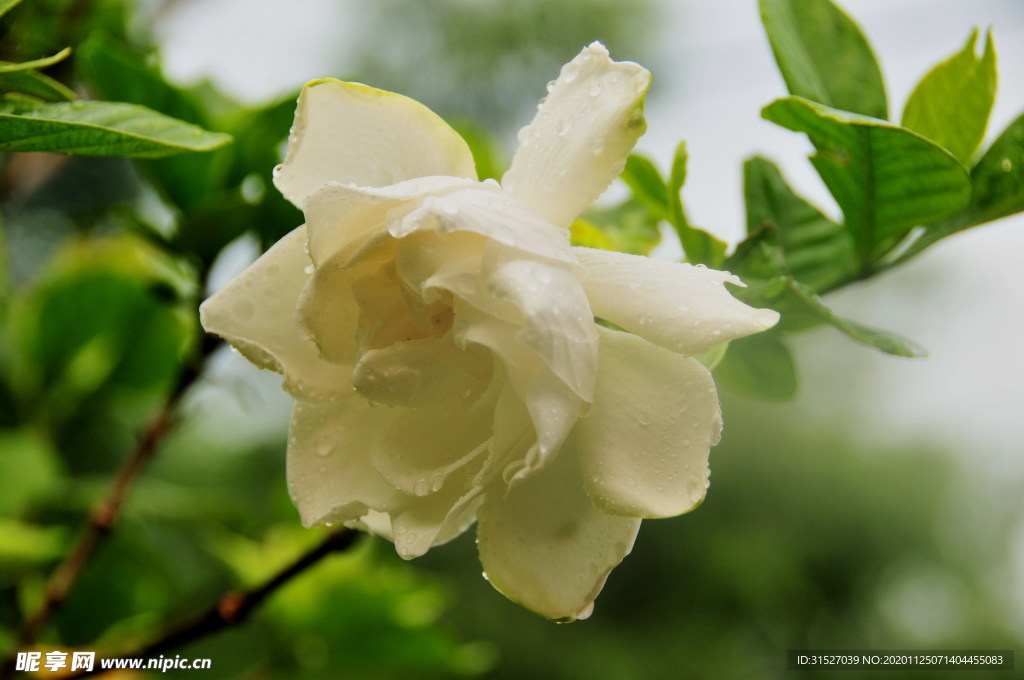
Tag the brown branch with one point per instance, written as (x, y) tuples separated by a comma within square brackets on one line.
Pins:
[(106, 512), (234, 608)]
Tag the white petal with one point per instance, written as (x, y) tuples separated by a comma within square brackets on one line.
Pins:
[(578, 141), (644, 444), (682, 307), (545, 545), (553, 406), (255, 313), (421, 447), (440, 517), (354, 134), (485, 210), (330, 476), (341, 217), (329, 307), (558, 323), (331, 480), (423, 372)]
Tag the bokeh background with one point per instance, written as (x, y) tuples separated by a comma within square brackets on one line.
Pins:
[(880, 509)]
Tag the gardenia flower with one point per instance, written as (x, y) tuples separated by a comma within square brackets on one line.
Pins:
[(438, 334)]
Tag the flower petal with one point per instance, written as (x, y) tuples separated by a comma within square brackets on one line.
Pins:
[(438, 518), (331, 480), (330, 477), (552, 406), (419, 373), (485, 210), (328, 309), (341, 217), (545, 545), (682, 307), (644, 444), (558, 326), (254, 314), (578, 141), (421, 447), (354, 134)]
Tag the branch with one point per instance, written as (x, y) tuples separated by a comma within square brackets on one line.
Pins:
[(234, 608), (105, 513)]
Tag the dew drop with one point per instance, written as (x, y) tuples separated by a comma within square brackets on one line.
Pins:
[(323, 447), (1007, 165), (309, 269), (596, 88)]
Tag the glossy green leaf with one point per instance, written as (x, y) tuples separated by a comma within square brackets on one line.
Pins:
[(29, 471), (114, 71), (818, 251), (6, 67), (649, 189), (951, 104), (888, 342), (7, 5), (761, 366), (700, 246), (824, 56), (886, 178), (628, 227), (36, 85), (24, 542), (101, 129), (761, 263), (999, 177)]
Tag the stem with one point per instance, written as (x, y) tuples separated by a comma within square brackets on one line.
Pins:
[(234, 608), (106, 512)]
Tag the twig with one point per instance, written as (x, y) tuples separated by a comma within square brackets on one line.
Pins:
[(105, 513), (234, 608)]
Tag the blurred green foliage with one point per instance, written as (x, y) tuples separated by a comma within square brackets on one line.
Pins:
[(807, 542)]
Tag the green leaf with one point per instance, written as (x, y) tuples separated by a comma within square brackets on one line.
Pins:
[(629, 227), (664, 202), (824, 56), (24, 542), (114, 71), (890, 343), (486, 154), (101, 129), (7, 5), (36, 85), (30, 471), (951, 104), (886, 178), (649, 189), (700, 246), (760, 262), (999, 177), (761, 366), (6, 67), (818, 251), (997, 190)]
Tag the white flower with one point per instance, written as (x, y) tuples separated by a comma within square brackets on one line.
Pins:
[(438, 336)]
